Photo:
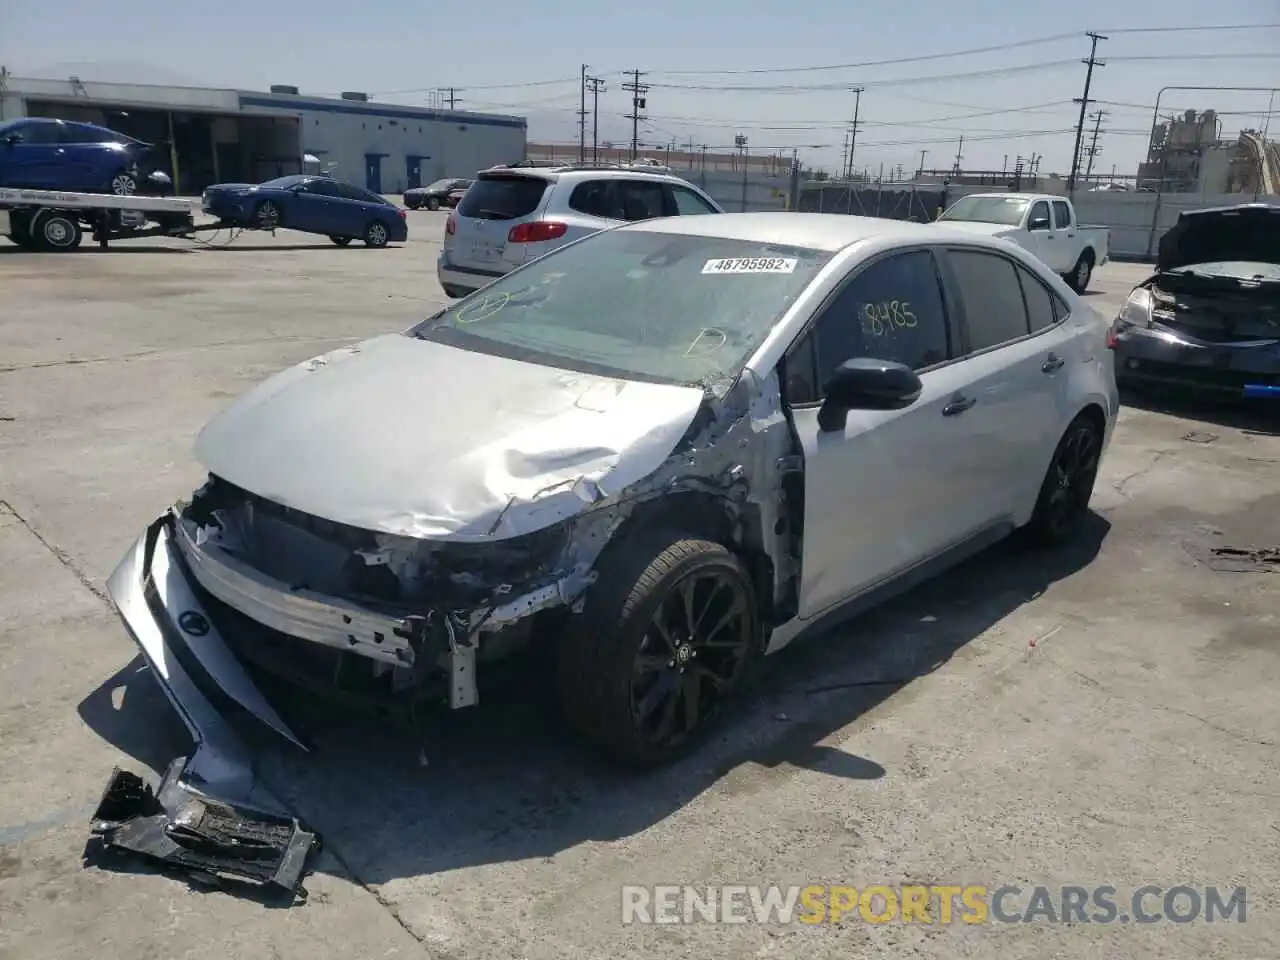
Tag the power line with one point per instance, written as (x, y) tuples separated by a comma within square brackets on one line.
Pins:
[(900, 81), (639, 98), (1092, 62)]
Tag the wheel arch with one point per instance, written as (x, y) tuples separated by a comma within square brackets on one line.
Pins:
[(712, 516)]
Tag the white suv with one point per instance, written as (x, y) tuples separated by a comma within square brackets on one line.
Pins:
[(512, 215)]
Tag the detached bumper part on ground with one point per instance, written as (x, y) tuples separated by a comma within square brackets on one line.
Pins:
[(209, 815)]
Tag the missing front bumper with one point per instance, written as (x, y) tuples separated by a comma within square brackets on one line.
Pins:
[(210, 814)]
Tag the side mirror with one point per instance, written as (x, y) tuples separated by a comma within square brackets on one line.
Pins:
[(12, 139), (1038, 223), (867, 384)]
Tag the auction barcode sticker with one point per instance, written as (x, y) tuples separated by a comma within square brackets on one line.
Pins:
[(750, 265)]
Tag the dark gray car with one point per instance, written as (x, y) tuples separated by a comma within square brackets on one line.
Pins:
[(434, 195)]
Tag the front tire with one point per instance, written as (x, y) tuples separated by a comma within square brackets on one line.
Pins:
[(1063, 502), (664, 639), (124, 184), (266, 216), (375, 235), (433, 203)]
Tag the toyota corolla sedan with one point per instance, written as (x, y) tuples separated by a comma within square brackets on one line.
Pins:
[(669, 449)]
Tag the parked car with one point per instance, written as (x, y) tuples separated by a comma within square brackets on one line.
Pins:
[(341, 211), (43, 154), (1044, 224), (671, 448), (434, 195), (512, 215), (1209, 317), (454, 196)]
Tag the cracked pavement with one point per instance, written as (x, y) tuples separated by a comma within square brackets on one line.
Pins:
[(1104, 715)]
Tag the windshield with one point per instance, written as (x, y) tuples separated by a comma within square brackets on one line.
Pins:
[(1003, 210), (439, 185), (635, 304)]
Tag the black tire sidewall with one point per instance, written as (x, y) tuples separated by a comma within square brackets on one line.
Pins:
[(433, 204), (617, 612), (1039, 528), (386, 235), (38, 225)]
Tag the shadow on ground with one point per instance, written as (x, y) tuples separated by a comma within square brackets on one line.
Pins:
[(505, 782), (1261, 417)]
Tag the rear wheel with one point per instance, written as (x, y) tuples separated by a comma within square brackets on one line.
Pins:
[(433, 203), (341, 241), (1063, 503), (375, 235), (665, 636), (1081, 273), (412, 204), (266, 216), (55, 230)]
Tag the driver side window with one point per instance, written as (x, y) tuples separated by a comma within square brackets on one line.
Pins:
[(891, 310), (1039, 217)]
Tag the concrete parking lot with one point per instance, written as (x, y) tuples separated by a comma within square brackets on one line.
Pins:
[(1101, 716)]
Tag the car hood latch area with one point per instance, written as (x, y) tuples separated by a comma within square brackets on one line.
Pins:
[(176, 826)]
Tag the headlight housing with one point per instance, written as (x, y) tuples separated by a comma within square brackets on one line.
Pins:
[(1137, 310)]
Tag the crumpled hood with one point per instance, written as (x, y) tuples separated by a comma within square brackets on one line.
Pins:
[(419, 439), (982, 229), (1246, 232)]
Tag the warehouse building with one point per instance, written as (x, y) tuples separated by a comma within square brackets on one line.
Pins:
[(206, 135)]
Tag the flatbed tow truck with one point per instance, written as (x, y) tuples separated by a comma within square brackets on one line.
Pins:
[(54, 221)]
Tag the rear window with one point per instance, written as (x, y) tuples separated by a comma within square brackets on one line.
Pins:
[(502, 198)]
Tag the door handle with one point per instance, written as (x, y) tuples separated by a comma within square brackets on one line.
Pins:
[(958, 405), (1052, 364)]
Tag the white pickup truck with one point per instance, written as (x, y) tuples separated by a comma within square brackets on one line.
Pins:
[(1040, 223)]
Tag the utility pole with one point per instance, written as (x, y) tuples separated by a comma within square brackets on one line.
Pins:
[(582, 115), (740, 141), (844, 157), (853, 127), (1093, 149), (959, 156), (596, 86), (452, 99), (923, 154), (638, 99), (1092, 62)]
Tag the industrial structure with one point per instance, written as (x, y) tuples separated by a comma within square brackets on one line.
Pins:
[(208, 135), (1188, 155)]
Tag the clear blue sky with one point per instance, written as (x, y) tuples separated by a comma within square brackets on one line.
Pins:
[(399, 50)]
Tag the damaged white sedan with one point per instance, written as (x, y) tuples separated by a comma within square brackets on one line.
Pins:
[(654, 455)]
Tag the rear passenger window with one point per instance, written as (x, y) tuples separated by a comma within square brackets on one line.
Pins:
[(892, 310), (1040, 310), (597, 198), (689, 204), (502, 197), (992, 298), (642, 199), (1061, 214)]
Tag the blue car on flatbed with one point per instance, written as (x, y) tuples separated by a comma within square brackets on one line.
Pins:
[(39, 153), (341, 211)]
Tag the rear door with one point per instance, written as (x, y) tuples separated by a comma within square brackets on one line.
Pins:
[(1066, 241), (491, 207), (353, 210), (1018, 351)]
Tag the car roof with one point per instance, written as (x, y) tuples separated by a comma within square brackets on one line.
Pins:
[(816, 231), (556, 173)]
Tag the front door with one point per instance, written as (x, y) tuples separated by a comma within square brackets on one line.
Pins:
[(889, 488), (373, 171), (1039, 236)]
